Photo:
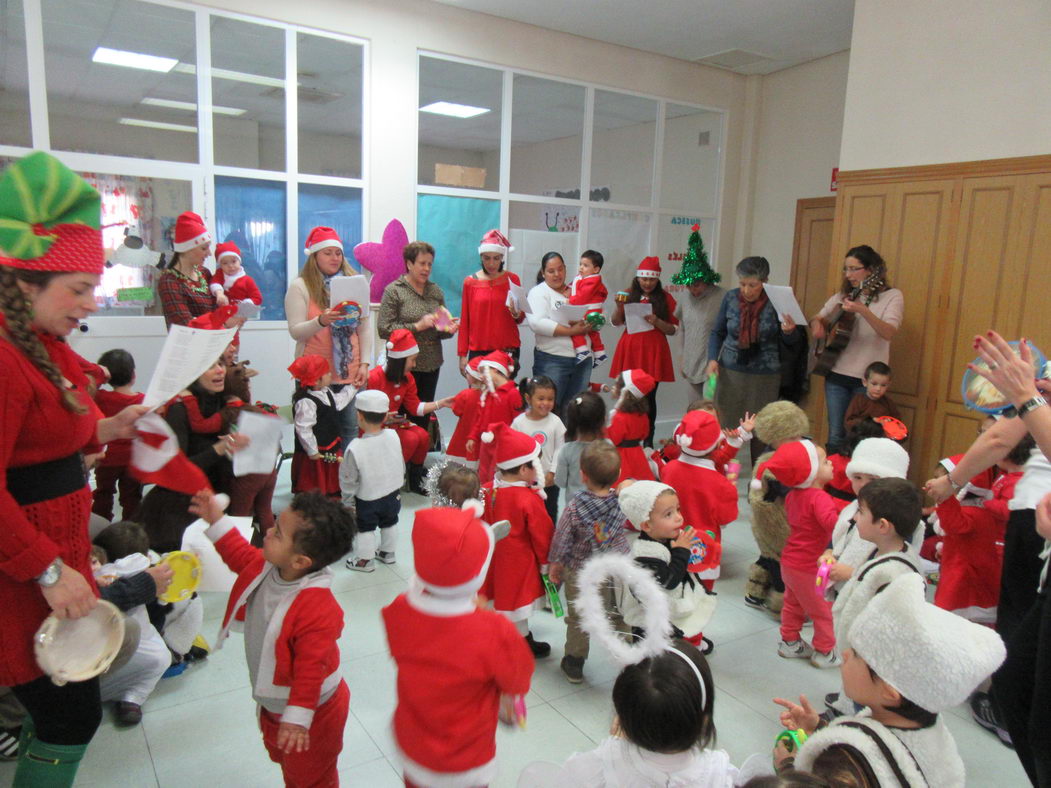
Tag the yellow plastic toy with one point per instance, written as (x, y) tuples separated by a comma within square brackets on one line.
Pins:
[(186, 578)]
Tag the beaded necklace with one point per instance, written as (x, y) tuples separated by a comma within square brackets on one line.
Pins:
[(198, 285)]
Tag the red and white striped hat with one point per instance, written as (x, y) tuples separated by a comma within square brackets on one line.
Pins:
[(794, 464), (494, 241), (402, 344), (698, 433), (513, 448), (190, 232), (227, 248), (322, 238), (638, 382), (650, 266)]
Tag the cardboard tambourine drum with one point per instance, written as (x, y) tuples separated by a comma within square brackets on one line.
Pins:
[(81, 648)]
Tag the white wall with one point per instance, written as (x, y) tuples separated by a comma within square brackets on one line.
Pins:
[(933, 81), (798, 138)]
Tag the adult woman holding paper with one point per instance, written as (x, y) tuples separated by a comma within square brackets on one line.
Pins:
[(417, 304), (554, 355), (649, 316), (864, 294), (744, 347), (311, 315), (489, 313), (183, 286), (51, 261)]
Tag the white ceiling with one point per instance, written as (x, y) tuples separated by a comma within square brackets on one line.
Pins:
[(785, 32)]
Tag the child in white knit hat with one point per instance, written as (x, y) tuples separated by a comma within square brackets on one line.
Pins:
[(907, 661)]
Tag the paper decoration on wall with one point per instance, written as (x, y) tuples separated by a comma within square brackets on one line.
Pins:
[(383, 259)]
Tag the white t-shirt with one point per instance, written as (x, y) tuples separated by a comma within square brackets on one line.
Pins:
[(1034, 484), (544, 301), (866, 346), (549, 432)]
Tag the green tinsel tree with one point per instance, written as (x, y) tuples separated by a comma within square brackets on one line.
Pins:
[(695, 267)]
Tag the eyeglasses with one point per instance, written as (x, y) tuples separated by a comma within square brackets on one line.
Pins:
[(850, 269)]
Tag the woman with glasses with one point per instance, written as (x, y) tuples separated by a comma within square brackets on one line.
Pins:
[(876, 310)]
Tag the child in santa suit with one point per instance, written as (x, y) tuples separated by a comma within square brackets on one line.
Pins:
[(500, 402), (708, 499), (231, 284), (517, 495), (587, 290), (111, 471), (283, 599), (315, 410), (395, 380), (466, 406), (629, 424), (458, 663)]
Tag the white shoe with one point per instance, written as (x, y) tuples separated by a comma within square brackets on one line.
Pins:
[(385, 557), (829, 660), (361, 564), (797, 649)]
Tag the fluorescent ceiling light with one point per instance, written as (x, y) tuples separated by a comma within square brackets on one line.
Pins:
[(454, 110), (154, 124), (120, 57), (190, 106), (234, 76)]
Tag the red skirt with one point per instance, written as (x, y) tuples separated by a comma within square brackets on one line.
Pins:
[(314, 475), (634, 465), (648, 351)]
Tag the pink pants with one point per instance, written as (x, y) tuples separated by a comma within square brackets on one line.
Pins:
[(802, 601)]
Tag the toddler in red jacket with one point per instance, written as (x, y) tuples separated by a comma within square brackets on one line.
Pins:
[(460, 666), (587, 290), (112, 470), (231, 284), (283, 599)]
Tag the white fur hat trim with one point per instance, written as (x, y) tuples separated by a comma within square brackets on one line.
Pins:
[(638, 499), (880, 457)]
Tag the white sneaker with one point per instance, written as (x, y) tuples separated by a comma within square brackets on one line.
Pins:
[(797, 649), (385, 557), (822, 660), (361, 564)]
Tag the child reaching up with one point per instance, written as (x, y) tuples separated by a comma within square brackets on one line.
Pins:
[(585, 422), (587, 290), (457, 662), (629, 425), (315, 410), (292, 621), (592, 523), (500, 402), (811, 515), (466, 406), (513, 583), (545, 428)]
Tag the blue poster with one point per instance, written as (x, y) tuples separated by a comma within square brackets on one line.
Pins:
[(454, 226)]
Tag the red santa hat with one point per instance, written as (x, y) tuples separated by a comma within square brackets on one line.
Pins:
[(216, 320), (698, 433), (473, 368), (227, 248), (978, 485), (638, 382), (402, 344), (498, 360), (309, 369), (452, 550), (157, 459), (513, 448), (794, 464), (322, 238), (650, 266), (190, 232), (494, 241)]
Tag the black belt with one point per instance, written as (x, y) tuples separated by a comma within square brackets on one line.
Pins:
[(842, 495), (629, 444), (46, 481)]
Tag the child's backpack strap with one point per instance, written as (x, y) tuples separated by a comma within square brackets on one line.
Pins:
[(888, 756)]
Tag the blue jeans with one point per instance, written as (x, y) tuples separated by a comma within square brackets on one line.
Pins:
[(839, 391), (570, 377)]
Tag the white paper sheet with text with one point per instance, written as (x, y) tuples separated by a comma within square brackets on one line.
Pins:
[(785, 303), (260, 455), (519, 295), (634, 318), (567, 313), (187, 354), (350, 288)]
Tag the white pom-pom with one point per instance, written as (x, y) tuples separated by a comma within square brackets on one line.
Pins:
[(223, 500), (756, 484), (390, 345), (488, 437), (474, 506), (683, 440)]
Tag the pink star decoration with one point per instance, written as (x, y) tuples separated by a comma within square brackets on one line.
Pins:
[(383, 259)]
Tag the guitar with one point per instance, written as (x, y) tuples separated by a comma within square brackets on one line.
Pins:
[(825, 353)]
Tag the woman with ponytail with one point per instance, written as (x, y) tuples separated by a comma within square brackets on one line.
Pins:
[(51, 261)]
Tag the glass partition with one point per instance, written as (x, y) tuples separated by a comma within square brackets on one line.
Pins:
[(547, 137), (622, 143)]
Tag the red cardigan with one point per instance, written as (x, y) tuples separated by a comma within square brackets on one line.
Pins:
[(485, 320), (402, 395)]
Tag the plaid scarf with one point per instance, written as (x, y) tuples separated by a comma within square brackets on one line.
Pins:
[(748, 333)]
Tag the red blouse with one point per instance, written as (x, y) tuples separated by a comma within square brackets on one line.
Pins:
[(402, 395), (485, 320)]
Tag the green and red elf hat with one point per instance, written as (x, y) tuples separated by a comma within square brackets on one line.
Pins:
[(49, 218)]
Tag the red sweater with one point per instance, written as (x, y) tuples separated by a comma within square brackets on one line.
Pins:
[(466, 406), (501, 405), (118, 452), (811, 515), (452, 670), (402, 395), (243, 288), (485, 320), (514, 574)]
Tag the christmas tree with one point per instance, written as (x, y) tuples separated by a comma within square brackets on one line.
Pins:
[(695, 267)]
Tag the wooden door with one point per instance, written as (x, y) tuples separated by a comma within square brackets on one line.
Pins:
[(811, 253)]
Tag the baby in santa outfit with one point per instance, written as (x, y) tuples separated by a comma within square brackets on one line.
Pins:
[(458, 663), (587, 290), (283, 599), (231, 284)]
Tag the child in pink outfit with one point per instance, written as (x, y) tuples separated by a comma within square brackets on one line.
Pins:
[(811, 513), (588, 290)]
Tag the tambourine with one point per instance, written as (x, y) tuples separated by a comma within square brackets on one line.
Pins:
[(980, 394), (78, 649), (186, 577), (822, 579), (443, 320), (793, 739), (893, 428), (705, 552)]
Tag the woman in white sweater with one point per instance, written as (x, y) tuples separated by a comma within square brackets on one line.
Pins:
[(553, 354)]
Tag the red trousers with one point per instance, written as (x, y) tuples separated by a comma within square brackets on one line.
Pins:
[(107, 479), (802, 601), (414, 443), (252, 496), (316, 766)]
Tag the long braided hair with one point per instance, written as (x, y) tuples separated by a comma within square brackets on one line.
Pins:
[(16, 309)]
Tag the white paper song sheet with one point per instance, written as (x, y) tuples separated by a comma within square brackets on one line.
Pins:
[(350, 288), (519, 295), (784, 302), (567, 313), (187, 354), (248, 310), (260, 456), (634, 318)]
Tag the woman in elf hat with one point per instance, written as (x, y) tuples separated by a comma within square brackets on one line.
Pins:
[(310, 315), (183, 286), (489, 315), (51, 261), (647, 350)]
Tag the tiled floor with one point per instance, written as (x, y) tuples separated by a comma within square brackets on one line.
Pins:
[(200, 728)]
